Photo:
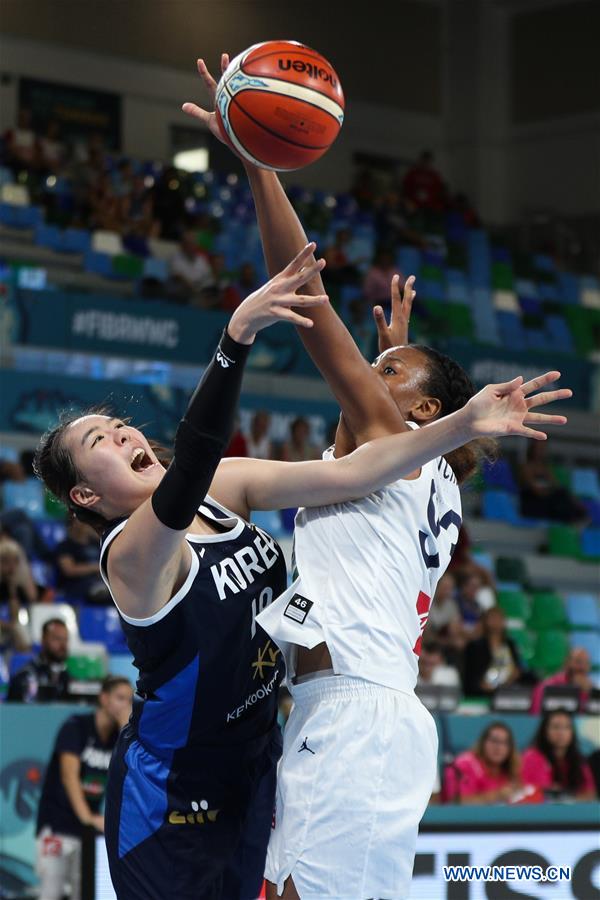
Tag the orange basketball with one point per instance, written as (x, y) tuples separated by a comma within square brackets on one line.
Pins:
[(280, 105)]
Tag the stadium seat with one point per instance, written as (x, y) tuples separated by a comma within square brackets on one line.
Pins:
[(547, 611), (98, 263), (269, 521), (86, 667), (76, 240), (14, 194), (27, 216), (590, 544), (155, 268), (563, 540), (18, 661), (584, 483), (499, 475), (162, 249), (41, 612), (583, 611), (590, 641), (551, 648), (102, 624), (51, 532), (511, 568), (26, 495), (515, 605), (501, 506), (107, 242), (524, 641)]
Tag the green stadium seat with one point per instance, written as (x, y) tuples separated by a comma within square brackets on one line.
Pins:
[(524, 641), (563, 540), (551, 648), (514, 604), (547, 611), (562, 475), (511, 568), (128, 266)]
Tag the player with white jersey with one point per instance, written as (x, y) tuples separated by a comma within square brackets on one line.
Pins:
[(360, 749)]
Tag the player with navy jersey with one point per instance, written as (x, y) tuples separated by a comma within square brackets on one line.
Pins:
[(191, 786), (351, 624)]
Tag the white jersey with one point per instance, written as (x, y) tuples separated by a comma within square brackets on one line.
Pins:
[(367, 570)]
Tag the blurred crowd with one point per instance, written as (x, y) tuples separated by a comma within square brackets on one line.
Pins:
[(81, 184)]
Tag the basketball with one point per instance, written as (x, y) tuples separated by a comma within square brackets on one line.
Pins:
[(280, 105)]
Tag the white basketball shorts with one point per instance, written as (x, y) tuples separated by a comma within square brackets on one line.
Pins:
[(358, 767)]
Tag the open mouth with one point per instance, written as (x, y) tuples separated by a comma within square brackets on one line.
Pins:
[(140, 461)]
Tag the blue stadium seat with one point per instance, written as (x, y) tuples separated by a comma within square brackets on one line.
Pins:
[(408, 260), (51, 531), (76, 240), (18, 661), (590, 543), (27, 495), (499, 475), (583, 611), (48, 236), (156, 268), (584, 483), (7, 214), (102, 624), (27, 216), (269, 521), (98, 263), (501, 506), (590, 641)]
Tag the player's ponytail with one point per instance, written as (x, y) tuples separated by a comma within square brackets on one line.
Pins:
[(449, 383)]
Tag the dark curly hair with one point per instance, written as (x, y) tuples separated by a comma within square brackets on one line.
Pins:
[(54, 465), (449, 383)]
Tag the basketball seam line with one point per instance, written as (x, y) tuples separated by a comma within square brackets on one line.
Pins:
[(274, 133), (308, 87)]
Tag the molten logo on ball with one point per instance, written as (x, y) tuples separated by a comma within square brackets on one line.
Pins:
[(312, 71)]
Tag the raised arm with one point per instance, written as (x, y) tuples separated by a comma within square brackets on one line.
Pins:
[(497, 411), (367, 406), (146, 557)]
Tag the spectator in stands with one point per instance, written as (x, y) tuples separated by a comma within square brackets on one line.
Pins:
[(423, 186), (445, 622), (258, 441), (52, 151), (433, 669), (106, 209), (191, 274), (237, 445), (339, 269), (542, 497), (554, 762), (17, 585), (391, 222), (74, 786), (594, 764), (576, 673), (242, 287), (122, 179), (15, 523), (461, 204), (491, 661), (45, 678), (169, 204), (467, 596), (17, 591), (77, 561), (21, 144), (298, 448), (489, 773), (138, 210), (376, 284)]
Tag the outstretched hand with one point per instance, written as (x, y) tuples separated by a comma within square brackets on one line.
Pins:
[(206, 116), (396, 333), (273, 302), (500, 410)]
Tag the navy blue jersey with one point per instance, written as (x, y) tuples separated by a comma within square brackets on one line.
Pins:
[(78, 735), (209, 674)]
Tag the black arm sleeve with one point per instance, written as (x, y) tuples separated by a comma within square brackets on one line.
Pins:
[(202, 436)]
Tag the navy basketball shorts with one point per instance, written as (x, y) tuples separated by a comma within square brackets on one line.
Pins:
[(191, 826)]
